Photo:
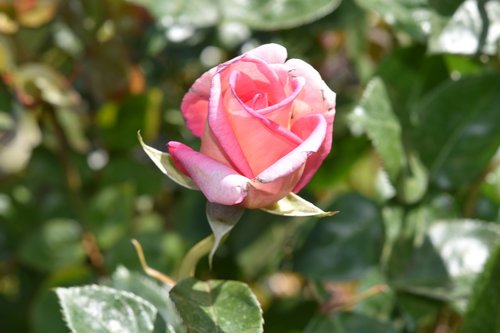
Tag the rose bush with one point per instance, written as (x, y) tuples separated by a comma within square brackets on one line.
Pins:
[(265, 126)]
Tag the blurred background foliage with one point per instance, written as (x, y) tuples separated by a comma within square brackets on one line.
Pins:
[(414, 171)]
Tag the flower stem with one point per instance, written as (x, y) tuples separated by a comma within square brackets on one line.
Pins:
[(198, 251)]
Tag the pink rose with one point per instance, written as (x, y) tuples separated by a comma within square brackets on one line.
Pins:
[(265, 126)]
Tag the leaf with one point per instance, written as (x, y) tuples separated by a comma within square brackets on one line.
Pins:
[(221, 219), (410, 16), (217, 306), (374, 116), (347, 322), (19, 138), (343, 247), (101, 309), (165, 163), (473, 28), (293, 205), (151, 291), (262, 15), (464, 246), (482, 313), (415, 184), (457, 137), (55, 245), (270, 15), (111, 214)]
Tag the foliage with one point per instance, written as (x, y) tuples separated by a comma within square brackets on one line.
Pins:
[(414, 171)]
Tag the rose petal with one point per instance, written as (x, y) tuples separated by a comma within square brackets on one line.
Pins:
[(221, 133), (270, 53), (194, 105), (316, 127), (315, 160), (316, 96), (219, 183)]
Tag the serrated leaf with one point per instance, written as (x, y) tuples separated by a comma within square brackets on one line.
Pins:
[(99, 309), (221, 219), (375, 117), (165, 163), (217, 306), (293, 205), (150, 290)]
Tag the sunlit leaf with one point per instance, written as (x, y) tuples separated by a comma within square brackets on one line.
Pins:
[(410, 16), (151, 291), (217, 306), (17, 141), (165, 163), (374, 116), (256, 14), (100, 309), (482, 313), (464, 246), (473, 28), (293, 205)]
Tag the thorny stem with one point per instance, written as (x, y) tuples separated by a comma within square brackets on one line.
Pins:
[(198, 251), (151, 271)]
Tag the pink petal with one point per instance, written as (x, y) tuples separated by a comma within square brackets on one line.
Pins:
[(265, 194), (316, 128), (270, 53), (316, 97), (315, 160), (194, 105), (218, 182), (221, 132)]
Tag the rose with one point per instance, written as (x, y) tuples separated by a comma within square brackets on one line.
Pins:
[(265, 127)]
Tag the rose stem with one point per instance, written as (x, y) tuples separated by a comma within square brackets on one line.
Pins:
[(198, 251)]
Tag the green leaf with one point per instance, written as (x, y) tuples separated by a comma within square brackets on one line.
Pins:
[(457, 137), (151, 291), (472, 29), (464, 246), (101, 309), (111, 214), (343, 247), (347, 322), (221, 219), (414, 185), (482, 313), (55, 245), (410, 16), (217, 306), (261, 14), (374, 116), (270, 15), (293, 205), (165, 163)]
